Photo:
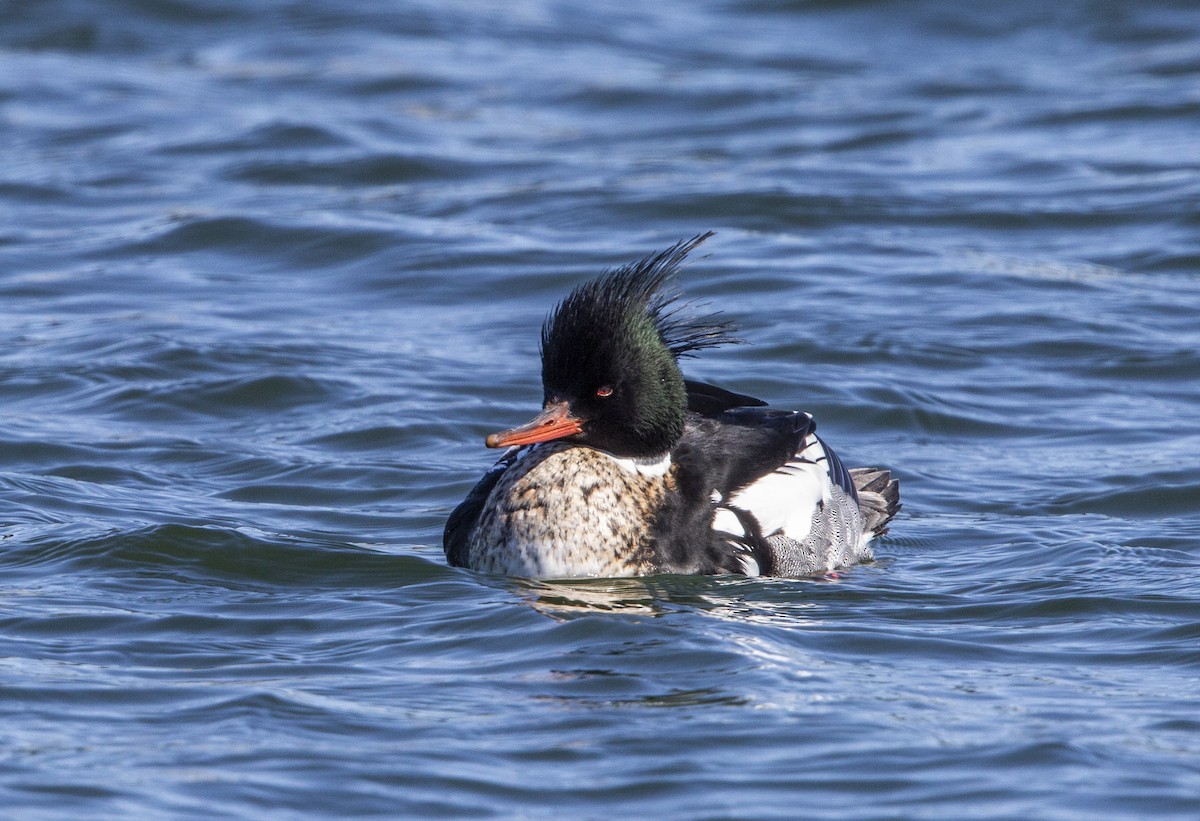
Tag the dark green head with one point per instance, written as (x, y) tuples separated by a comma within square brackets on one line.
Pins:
[(609, 369)]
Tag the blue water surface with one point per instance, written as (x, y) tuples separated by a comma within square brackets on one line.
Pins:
[(270, 270)]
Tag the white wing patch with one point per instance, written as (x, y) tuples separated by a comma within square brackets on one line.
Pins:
[(785, 500)]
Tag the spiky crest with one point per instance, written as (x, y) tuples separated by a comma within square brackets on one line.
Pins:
[(641, 290)]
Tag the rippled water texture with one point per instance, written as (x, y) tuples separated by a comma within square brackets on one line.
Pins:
[(271, 270)]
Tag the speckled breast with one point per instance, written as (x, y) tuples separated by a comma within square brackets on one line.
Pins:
[(565, 511)]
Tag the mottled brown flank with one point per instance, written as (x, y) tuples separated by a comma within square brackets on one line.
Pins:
[(565, 510)]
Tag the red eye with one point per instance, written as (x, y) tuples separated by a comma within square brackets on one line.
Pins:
[(603, 390)]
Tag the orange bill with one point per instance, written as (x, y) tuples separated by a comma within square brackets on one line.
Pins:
[(554, 422)]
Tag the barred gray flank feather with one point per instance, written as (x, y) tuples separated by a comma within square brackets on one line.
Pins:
[(835, 540)]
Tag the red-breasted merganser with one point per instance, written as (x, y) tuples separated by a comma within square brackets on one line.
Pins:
[(632, 470)]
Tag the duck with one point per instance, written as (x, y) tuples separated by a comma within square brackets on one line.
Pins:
[(630, 469)]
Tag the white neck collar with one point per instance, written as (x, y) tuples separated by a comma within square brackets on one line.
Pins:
[(645, 465)]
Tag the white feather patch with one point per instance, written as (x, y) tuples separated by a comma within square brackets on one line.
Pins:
[(785, 500), (750, 565), (649, 466)]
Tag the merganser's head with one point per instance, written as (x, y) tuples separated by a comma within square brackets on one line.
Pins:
[(610, 374)]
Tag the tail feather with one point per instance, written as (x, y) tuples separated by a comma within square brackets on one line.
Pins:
[(878, 498)]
